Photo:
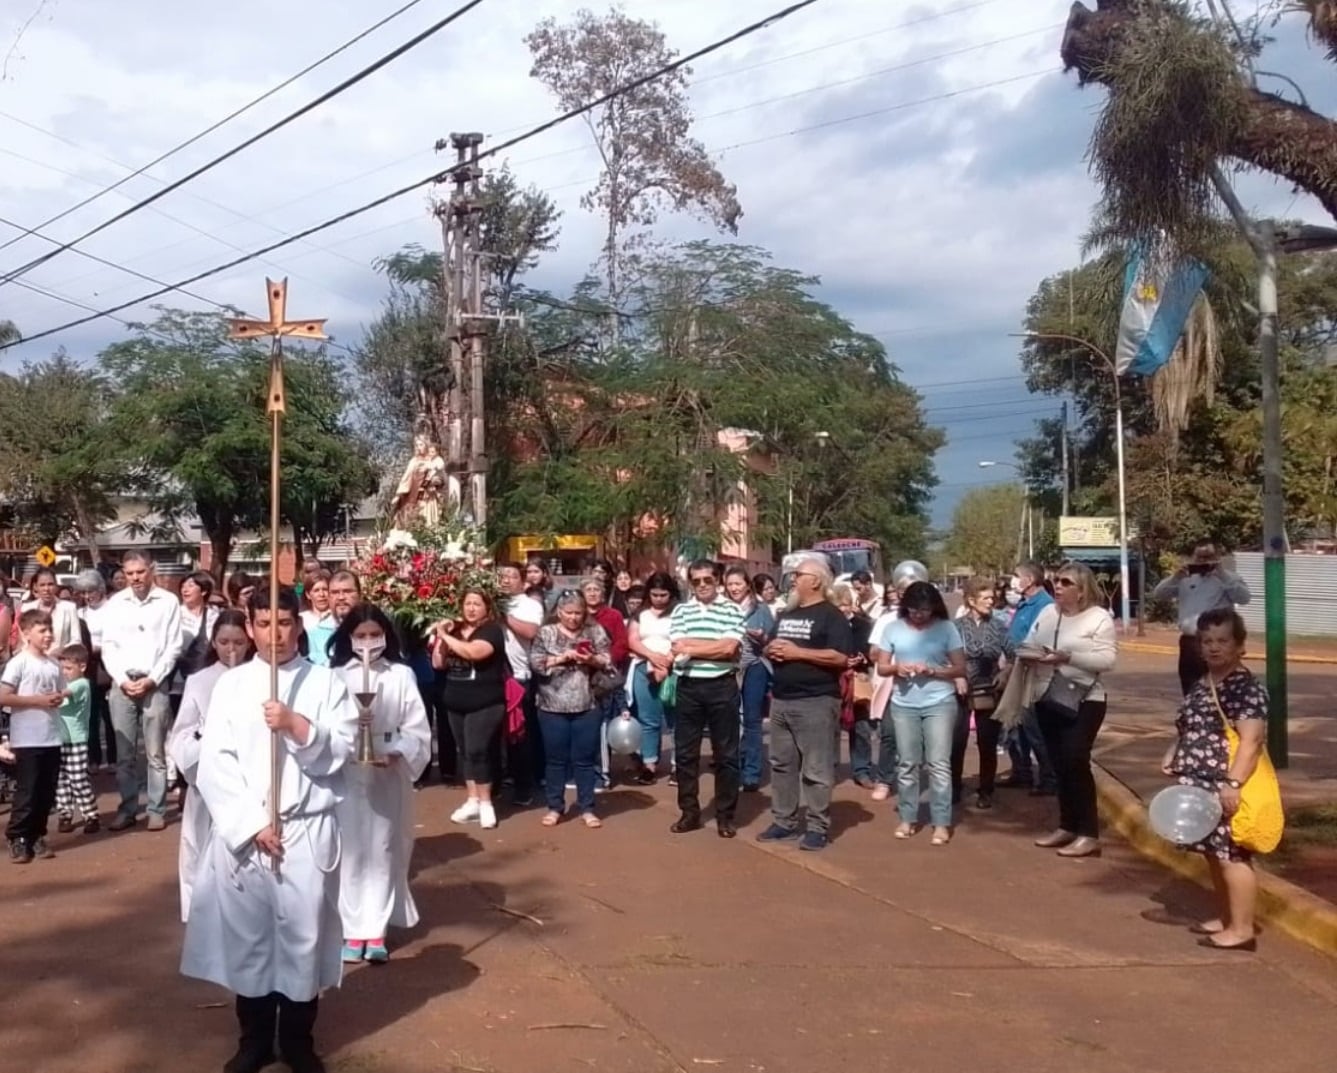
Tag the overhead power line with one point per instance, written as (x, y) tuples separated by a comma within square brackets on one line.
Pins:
[(325, 97), (213, 126), (437, 176)]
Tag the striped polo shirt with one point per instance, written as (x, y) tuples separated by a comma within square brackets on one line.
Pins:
[(718, 620)]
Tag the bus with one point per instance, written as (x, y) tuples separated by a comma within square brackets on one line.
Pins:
[(848, 555)]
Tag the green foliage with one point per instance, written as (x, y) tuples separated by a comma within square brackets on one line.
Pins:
[(58, 466), (1203, 484), (9, 333), (190, 414), (985, 528)]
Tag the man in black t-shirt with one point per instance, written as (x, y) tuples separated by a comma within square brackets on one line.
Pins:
[(812, 648)]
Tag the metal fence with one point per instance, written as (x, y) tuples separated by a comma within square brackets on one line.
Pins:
[(1311, 593)]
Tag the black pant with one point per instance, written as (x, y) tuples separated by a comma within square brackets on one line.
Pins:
[(258, 1018), (1069, 741), (447, 752), (527, 762), (99, 722), (707, 706), (35, 772), (1191, 664), (987, 733), (477, 735)]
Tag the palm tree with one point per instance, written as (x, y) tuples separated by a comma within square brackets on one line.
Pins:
[(1180, 102)]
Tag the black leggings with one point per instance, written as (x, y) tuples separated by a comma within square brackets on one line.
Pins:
[(1069, 741), (476, 734), (987, 732)]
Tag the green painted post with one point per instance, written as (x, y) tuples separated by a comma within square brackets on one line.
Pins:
[(1274, 597)]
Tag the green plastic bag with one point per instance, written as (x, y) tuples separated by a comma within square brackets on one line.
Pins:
[(668, 691)]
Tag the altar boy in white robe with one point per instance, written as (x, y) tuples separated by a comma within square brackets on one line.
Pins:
[(272, 938), (376, 815)]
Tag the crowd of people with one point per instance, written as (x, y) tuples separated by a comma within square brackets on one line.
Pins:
[(522, 694)]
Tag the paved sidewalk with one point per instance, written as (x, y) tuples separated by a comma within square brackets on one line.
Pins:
[(660, 953)]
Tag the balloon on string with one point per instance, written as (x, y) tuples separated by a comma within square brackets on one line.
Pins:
[(624, 737), (906, 572), (1184, 815)]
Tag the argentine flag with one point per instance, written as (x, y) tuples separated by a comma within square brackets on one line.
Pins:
[(1156, 305)]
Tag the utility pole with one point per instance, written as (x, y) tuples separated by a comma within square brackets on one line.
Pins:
[(1261, 236), (467, 326), (1064, 454)]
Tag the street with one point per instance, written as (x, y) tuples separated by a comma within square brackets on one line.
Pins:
[(658, 952)]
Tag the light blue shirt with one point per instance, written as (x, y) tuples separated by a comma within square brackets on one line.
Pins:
[(929, 646)]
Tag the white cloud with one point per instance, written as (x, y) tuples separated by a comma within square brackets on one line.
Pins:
[(916, 224)]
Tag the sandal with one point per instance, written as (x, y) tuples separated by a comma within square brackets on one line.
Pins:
[(591, 820), (551, 818), (907, 830)]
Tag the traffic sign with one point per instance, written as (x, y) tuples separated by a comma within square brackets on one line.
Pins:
[(45, 556)]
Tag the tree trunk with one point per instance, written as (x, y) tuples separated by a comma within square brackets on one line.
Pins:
[(220, 546), (610, 253), (296, 551), (1279, 137), (89, 532)]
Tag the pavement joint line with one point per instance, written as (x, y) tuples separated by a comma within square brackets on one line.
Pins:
[(817, 869), (576, 970), (1302, 915), (1151, 648)]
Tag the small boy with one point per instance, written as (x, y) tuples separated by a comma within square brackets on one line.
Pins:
[(32, 688), (72, 787)]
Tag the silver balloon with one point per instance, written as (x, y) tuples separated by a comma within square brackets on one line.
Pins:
[(1184, 814), (907, 572), (624, 737)]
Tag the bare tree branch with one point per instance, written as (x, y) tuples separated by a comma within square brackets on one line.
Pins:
[(23, 29)]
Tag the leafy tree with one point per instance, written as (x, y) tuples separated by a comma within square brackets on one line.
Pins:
[(649, 159), (9, 333), (190, 412), (58, 472), (985, 527), (402, 369), (723, 339)]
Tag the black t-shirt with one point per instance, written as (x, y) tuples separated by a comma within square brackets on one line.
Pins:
[(469, 685), (819, 626)]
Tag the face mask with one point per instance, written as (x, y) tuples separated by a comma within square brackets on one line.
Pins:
[(1013, 598), (370, 650)]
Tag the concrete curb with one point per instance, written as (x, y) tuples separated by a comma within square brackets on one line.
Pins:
[(1301, 915), (1258, 657)]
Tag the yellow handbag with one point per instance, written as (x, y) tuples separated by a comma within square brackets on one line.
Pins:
[(1259, 822)]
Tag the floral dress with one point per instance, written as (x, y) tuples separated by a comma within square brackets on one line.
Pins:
[(1202, 756)]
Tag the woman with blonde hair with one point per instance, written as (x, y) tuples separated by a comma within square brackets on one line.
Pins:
[(1071, 644)]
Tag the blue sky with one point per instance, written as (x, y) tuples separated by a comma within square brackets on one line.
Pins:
[(945, 177)]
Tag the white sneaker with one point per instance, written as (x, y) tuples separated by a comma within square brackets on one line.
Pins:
[(487, 815), (468, 812)]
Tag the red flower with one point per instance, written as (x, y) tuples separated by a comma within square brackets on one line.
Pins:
[(424, 592), (378, 562), (418, 560)]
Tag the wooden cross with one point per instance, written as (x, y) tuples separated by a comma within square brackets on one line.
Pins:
[(276, 327)]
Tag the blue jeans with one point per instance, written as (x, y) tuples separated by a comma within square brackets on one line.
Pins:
[(756, 686), (570, 743), (862, 736), (1026, 738), (924, 739), (650, 714)]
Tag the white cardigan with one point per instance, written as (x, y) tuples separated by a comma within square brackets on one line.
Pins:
[(1088, 638)]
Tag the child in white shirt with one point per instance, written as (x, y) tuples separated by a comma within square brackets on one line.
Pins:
[(33, 688)]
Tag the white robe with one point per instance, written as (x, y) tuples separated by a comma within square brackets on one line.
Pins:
[(376, 815), (183, 749), (250, 930)]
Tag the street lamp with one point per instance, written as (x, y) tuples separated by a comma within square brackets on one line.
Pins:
[(1126, 604), (1025, 530)]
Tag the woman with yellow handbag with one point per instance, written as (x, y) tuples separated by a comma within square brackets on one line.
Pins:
[(1222, 729)]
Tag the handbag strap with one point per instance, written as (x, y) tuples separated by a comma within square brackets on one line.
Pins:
[(1058, 668), (1227, 724)]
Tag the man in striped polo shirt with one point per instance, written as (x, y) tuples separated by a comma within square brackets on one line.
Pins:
[(707, 635)]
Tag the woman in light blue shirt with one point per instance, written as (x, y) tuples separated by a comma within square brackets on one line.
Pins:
[(922, 650)]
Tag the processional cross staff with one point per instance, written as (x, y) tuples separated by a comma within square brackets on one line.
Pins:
[(276, 405)]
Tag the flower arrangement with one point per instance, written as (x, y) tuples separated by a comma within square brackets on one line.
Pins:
[(420, 575)]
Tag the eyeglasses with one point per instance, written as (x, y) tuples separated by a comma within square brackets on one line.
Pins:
[(702, 580), (804, 573), (1064, 581)]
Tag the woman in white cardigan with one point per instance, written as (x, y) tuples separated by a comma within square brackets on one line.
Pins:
[(1070, 646)]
